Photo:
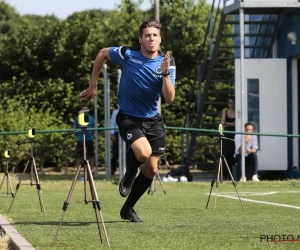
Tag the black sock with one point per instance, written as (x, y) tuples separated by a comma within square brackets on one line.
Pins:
[(140, 185), (132, 162)]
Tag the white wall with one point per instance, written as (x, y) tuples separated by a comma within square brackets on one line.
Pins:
[(272, 75)]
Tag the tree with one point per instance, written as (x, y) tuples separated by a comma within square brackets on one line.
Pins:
[(8, 21), (19, 119), (46, 66)]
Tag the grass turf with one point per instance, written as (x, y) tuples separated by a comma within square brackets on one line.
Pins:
[(177, 220)]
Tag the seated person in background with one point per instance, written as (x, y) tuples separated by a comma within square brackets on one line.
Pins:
[(250, 147), (178, 174)]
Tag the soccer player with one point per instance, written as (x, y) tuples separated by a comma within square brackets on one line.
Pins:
[(147, 73)]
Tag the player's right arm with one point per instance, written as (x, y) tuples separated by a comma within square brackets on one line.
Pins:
[(91, 91)]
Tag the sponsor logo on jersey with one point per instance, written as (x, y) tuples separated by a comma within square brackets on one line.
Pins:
[(135, 61)]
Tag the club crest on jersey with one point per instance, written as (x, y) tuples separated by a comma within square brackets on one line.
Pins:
[(158, 70)]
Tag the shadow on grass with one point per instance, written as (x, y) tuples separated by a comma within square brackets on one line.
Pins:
[(66, 223), (58, 177)]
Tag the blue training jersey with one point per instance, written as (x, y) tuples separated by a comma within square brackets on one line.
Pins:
[(141, 81)]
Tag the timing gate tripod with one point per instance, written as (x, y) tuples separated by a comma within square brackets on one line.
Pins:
[(152, 187), (33, 171), (88, 176), (216, 177), (6, 175)]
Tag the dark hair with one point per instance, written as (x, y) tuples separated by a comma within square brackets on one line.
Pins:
[(84, 106), (249, 124), (149, 24)]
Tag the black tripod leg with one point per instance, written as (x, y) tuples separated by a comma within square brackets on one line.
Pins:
[(66, 203), (38, 185), (96, 204), (233, 182), (221, 169), (85, 174), (19, 184), (150, 189)]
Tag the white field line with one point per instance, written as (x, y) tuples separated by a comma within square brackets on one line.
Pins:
[(261, 202)]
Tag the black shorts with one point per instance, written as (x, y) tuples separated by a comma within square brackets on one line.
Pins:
[(90, 150), (132, 128)]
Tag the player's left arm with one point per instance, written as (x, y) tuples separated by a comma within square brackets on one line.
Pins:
[(168, 71)]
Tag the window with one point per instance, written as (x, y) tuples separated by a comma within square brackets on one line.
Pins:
[(253, 102)]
